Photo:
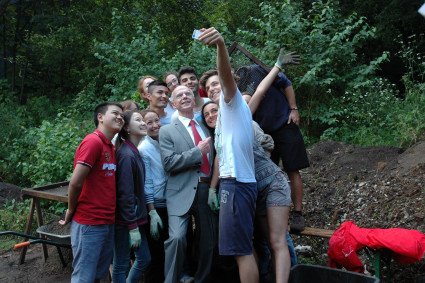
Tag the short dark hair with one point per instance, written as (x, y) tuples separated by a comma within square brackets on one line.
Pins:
[(102, 108), (205, 76), (186, 70), (156, 83)]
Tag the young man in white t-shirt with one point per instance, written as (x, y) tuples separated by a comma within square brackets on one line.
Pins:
[(234, 140)]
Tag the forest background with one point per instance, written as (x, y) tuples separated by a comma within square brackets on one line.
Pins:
[(361, 81)]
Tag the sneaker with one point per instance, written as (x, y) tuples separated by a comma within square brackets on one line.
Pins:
[(297, 222), (187, 279)]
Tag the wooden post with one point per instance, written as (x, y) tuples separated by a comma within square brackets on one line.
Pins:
[(40, 223), (27, 230)]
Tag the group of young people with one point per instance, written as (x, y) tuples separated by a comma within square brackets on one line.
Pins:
[(144, 181)]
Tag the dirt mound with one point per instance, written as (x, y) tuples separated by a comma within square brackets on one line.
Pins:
[(412, 157), (9, 192), (365, 184)]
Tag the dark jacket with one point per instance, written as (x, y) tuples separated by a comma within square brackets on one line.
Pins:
[(131, 207)]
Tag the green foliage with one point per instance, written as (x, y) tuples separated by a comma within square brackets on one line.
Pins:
[(172, 21), (12, 118), (45, 154), (229, 13), (371, 113), (366, 116), (14, 215), (410, 119)]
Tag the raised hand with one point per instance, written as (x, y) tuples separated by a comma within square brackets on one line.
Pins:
[(287, 58), (210, 36)]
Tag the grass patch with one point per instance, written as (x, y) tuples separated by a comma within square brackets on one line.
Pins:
[(7, 243)]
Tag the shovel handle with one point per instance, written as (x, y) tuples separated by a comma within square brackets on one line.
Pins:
[(21, 245)]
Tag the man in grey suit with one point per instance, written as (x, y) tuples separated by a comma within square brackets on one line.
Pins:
[(186, 151)]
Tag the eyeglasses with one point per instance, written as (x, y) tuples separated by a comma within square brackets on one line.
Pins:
[(186, 93), (173, 82)]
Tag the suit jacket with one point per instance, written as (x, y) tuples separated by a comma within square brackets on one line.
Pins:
[(182, 161)]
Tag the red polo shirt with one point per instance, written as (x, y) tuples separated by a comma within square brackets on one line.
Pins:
[(96, 203)]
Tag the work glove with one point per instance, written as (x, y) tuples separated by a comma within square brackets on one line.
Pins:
[(289, 58), (156, 224), (135, 238), (212, 199)]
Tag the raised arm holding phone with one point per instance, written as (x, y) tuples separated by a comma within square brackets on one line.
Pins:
[(234, 140)]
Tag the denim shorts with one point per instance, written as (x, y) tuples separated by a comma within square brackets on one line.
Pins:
[(237, 210), (92, 248), (277, 193)]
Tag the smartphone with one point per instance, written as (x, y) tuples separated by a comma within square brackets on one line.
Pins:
[(196, 33), (422, 10)]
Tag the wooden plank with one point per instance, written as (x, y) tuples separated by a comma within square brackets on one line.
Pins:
[(315, 232), (232, 47), (49, 186), (248, 54), (53, 193)]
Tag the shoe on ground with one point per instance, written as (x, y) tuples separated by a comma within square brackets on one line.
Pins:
[(297, 222)]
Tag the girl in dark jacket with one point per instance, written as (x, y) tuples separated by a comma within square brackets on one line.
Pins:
[(131, 212)]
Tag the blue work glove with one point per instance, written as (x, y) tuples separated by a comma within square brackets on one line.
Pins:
[(135, 238), (156, 224), (212, 199)]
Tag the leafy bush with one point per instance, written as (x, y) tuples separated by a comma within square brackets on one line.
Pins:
[(14, 215), (12, 117), (364, 115), (410, 119), (45, 154)]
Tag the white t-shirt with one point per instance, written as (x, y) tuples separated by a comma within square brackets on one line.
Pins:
[(234, 138)]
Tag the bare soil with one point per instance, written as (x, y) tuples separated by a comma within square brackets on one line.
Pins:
[(377, 187), (35, 268)]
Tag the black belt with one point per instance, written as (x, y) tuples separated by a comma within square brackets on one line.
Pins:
[(205, 180)]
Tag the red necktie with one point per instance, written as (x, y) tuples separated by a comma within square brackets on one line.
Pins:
[(205, 166)]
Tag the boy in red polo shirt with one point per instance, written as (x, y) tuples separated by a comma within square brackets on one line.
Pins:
[(92, 197)]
